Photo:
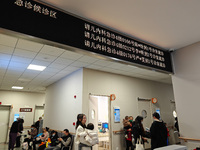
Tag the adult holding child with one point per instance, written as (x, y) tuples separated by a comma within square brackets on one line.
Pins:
[(80, 130)]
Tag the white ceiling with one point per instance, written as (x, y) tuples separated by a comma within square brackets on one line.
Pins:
[(16, 54), (168, 24)]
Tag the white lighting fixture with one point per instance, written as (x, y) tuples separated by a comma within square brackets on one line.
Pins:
[(36, 67), (17, 87)]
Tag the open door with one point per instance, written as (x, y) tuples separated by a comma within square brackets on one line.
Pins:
[(99, 115)]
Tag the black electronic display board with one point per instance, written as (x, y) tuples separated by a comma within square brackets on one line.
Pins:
[(35, 19)]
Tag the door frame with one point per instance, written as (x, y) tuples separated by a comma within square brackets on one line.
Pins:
[(109, 117), (9, 106), (151, 107), (35, 111)]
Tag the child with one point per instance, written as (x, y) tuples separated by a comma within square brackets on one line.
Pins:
[(126, 121), (89, 137)]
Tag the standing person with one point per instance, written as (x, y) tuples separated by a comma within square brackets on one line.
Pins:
[(80, 129), (158, 132), (176, 124), (13, 134), (128, 135), (20, 129), (138, 130), (37, 124), (90, 137)]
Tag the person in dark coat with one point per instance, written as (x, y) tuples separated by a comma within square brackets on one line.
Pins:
[(138, 130), (13, 134), (37, 124), (176, 124), (158, 132), (21, 128), (54, 138)]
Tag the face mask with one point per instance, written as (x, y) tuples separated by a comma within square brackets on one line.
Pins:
[(31, 128)]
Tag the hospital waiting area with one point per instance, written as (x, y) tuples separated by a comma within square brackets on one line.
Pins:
[(100, 75)]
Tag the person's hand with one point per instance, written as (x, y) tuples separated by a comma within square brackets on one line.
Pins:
[(59, 139), (129, 129), (145, 139)]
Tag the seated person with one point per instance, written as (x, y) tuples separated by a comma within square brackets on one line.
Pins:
[(89, 137), (32, 133), (54, 138), (65, 142), (41, 139)]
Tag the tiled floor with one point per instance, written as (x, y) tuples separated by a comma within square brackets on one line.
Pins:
[(5, 147)]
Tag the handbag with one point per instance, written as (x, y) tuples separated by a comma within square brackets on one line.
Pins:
[(139, 145)]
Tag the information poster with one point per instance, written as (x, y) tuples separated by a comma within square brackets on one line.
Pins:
[(16, 115), (117, 114)]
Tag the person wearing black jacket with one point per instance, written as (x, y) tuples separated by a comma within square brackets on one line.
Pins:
[(54, 138), (138, 130), (13, 134), (158, 132), (37, 124), (20, 128)]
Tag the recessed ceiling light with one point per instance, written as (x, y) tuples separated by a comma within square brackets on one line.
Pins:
[(17, 87), (36, 67)]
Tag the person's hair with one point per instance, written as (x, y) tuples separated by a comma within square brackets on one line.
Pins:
[(53, 131), (90, 126), (79, 120), (156, 115), (138, 121), (40, 117), (66, 130), (126, 117), (46, 128), (21, 120), (33, 125), (130, 117)]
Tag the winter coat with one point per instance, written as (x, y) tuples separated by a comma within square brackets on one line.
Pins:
[(158, 133)]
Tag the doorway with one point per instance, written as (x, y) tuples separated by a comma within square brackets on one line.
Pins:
[(4, 122), (99, 115), (145, 110), (39, 112)]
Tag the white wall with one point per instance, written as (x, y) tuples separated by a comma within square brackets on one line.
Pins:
[(186, 83), (61, 108), (127, 91), (22, 100)]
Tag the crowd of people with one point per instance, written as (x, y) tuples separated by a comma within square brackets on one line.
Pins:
[(134, 131), (49, 140), (86, 136)]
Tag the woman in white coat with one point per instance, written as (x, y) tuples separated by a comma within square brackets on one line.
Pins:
[(80, 129)]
